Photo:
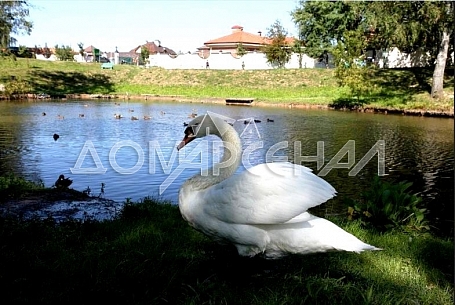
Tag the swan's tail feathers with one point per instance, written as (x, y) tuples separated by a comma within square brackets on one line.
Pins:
[(366, 247), (353, 244)]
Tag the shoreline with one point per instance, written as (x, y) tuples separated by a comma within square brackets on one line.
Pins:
[(222, 101)]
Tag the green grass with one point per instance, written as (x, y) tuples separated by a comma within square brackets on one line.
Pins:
[(150, 255), (393, 88)]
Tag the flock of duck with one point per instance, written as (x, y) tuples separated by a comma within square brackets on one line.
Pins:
[(262, 211)]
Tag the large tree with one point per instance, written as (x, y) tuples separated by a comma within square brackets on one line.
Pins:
[(414, 26), (410, 26), (13, 21)]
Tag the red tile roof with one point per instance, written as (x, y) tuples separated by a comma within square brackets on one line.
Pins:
[(89, 49), (154, 49), (239, 36)]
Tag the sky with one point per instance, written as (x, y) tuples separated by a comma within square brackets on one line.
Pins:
[(181, 25)]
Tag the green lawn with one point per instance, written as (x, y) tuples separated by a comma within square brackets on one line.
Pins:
[(393, 88)]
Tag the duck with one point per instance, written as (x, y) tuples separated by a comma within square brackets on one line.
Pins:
[(262, 211), (118, 116), (81, 115), (55, 136), (44, 113), (63, 182), (134, 118), (270, 120), (251, 120), (147, 117)]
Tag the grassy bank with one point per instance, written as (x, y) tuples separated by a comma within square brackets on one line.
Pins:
[(149, 255), (394, 88)]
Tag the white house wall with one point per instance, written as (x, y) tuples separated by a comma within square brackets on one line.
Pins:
[(42, 57), (224, 61)]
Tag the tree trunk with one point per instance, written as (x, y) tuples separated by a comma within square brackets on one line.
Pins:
[(438, 74)]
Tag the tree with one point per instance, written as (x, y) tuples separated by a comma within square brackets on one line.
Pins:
[(24, 52), (240, 50), (64, 53), (278, 52), (13, 20), (145, 54), (298, 48), (81, 49), (46, 51), (322, 24), (418, 25), (409, 26), (351, 69)]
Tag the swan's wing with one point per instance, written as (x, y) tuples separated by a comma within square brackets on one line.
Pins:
[(269, 193)]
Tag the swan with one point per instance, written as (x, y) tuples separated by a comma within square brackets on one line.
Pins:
[(263, 210)]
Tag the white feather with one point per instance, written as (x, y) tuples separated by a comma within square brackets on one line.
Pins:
[(262, 210)]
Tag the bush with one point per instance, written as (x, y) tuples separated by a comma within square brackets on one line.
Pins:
[(17, 86), (387, 206), (13, 187)]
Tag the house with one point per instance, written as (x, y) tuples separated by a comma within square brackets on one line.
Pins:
[(90, 53), (154, 49), (229, 43)]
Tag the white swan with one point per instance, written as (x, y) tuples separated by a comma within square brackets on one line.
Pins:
[(262, 210)]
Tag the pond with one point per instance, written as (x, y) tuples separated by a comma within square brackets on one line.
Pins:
[(137, 158)]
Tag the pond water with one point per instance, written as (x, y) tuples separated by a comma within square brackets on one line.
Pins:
[(137, 158)]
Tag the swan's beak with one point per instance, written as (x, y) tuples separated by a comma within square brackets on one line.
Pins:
[(187, 139)]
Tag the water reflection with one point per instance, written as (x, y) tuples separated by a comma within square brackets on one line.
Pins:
[(417, 149)]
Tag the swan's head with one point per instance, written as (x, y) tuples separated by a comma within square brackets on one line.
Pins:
[(202, 126)]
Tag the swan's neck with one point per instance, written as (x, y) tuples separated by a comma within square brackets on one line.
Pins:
[(227, 165)]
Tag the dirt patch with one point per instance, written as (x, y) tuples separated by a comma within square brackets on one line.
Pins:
[(60, 205)]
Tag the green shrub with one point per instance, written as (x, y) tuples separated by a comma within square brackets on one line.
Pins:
[(389, 205), (17, 86), (12, 186)]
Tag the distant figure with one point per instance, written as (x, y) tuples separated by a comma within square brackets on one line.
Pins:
[(207, 66), (62, 182), (325, 59), (243, 65), (56, 136)]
